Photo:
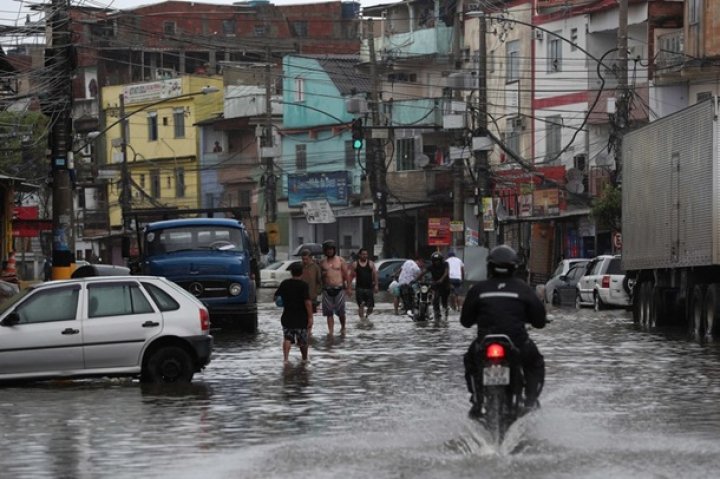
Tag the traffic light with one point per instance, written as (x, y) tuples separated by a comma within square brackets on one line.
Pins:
[(358, 135)]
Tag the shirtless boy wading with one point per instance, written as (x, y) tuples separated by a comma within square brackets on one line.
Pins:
[(336, 284)]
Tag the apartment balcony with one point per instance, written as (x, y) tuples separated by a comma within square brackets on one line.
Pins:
[(669, 57), (416, 112), (406, 45)]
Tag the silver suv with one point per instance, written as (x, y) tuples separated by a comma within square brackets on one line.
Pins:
[(142, 326), (603, 284)]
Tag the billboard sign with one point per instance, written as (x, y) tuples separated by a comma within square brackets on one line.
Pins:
[(331, 186)]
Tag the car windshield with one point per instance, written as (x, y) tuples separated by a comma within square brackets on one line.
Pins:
[(11, 302), (275, 265), (186, 238)]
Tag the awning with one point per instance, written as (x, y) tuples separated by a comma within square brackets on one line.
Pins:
[(538, 219)]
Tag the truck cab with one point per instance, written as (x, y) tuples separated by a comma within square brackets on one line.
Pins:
[(213, 259)]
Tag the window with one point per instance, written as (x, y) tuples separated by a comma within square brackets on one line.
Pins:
[(512, 51), (57, 304), (554, 137), (244, 197), (299, 89), (179, 121), (260, 30), (142, 180), (155, 183), (573, 39), (179, 182), (554, 54), (301, 28), (512, 134), (694, 11), (228, 27), (116, 299), (169, 28), (152, 126), (349, 155), (162, 300), (301, 157), (406, 154)]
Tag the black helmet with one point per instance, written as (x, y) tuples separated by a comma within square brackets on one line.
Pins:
[(328, 244), (436, 256), (502, 260)]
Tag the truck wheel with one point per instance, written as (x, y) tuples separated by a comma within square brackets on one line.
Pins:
[(644, 304), (169, 364), (712, 310), (696, 311)]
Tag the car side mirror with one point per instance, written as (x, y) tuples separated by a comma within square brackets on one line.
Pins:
[(11, 319)]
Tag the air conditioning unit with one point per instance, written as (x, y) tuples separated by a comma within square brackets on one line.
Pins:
[(538, 34), (517, 122)]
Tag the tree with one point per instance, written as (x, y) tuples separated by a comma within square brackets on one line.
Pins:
[(607, 208), (24, 141)]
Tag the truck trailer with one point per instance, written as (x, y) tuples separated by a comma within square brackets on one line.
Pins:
[(671, 219)]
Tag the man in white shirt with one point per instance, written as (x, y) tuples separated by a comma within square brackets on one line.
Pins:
[(457, 275), (408, 273)]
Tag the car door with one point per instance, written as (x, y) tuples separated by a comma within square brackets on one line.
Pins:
[(585, 285), (120, 320), (567, 289), (47, 340)]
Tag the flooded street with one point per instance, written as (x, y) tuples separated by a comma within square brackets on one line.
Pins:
[(386, 400)]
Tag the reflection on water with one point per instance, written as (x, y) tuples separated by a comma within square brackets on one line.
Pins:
[(387, 399)]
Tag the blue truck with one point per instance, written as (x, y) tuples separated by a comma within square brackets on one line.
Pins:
[(212, 258)]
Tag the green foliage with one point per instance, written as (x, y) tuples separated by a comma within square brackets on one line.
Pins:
[(607, 208), (23, 144)]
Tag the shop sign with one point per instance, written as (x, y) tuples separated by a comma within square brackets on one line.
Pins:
[(439, 232)]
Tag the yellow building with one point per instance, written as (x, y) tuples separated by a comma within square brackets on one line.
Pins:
[(161, 142)]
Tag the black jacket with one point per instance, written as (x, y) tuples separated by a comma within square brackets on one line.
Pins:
[(503, 306)]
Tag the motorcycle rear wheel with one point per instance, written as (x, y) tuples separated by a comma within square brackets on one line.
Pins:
[(495, 415)]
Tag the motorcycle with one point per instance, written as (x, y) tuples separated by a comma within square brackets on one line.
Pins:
[(423, 300), (501, 392)]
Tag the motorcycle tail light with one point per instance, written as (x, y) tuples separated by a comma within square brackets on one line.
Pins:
[(495, 351), (204, 319), (606, 281)]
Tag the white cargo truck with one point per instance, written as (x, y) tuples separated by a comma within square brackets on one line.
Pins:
[(671, 219)]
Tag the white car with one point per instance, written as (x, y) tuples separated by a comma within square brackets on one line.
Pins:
[(603, 284), (142, 326), (272, 275)]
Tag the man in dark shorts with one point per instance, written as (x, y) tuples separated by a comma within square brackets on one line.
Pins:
[(366, 283), (297, 315)]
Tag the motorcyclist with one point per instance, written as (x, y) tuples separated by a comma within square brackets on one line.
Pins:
[(502, 304), (440, 273)]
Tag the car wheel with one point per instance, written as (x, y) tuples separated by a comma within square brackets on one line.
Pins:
[(597, 302), (169, 364), (578, 302)]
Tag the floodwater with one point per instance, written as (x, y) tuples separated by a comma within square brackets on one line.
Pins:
[(386, 400)]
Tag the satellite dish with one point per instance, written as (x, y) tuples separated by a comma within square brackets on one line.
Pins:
[(422, 160), (574, 174), (575, 187)]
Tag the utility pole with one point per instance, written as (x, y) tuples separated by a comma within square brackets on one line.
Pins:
[(125, 195), (58, 67), (375, 158), (481, 157), (622, 104), (269, 160)]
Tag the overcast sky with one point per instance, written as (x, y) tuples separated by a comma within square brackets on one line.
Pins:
[(13, 12)]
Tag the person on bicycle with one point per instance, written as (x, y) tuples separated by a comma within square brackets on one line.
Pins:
[(440, 273), (503, 304)]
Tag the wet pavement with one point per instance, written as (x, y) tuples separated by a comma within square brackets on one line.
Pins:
[(387, 399)]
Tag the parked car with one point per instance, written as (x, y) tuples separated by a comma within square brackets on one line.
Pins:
[(565, 289), (142, 326), (560, 278), (272, 275), (603, 284)]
